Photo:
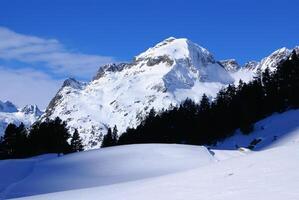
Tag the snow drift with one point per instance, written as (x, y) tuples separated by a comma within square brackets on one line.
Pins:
[(107, 166)]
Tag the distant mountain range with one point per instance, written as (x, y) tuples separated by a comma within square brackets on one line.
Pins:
[(9, 113)]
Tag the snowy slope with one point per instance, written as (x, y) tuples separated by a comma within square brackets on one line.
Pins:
[(165, 171), (270, 174), (279, 129), (9, 113), (249, 70), (97, 168), (122, 94), (155, 171), (274, 59), (245, 74)]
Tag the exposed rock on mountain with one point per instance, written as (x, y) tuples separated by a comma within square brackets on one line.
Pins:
[(230, 65)]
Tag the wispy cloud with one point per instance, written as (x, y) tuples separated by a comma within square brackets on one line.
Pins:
[(50, 52), (27, 86), (43, 61)]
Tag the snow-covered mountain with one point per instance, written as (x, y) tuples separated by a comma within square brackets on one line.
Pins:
[(164, 75), (7, 107), (249, 69), (250, 65), (274, 59), (230, 65), (122, 94), (9, 113)]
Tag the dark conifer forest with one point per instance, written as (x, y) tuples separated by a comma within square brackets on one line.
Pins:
[(49, 136)]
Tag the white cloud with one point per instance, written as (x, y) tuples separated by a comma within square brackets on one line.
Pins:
[(50, 52), (27, 86), (32, 85)]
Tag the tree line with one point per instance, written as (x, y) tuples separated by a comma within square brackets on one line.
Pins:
[(49, 136), (235, 107)]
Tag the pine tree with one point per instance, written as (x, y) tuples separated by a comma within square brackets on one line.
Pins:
[(114, 134), (60, 136), (288, 81), (9, 140), (21, 141), (204, 105), (14, 141), (109, 139), (49, 136), (76, 142)]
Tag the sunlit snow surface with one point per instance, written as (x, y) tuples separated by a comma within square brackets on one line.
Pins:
[(273, 131), (97, 168), (270, 174), (168, 171)]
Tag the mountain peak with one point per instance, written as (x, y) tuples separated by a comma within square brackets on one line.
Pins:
[(31, 109), (176, 49), (251, 65), (170, 39), (274, 58), (7, 106), (111, 67), (72, 82), (230, 65)]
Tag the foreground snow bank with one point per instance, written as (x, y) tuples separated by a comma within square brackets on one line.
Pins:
[(270, 174), (97, 168), (165, 171)]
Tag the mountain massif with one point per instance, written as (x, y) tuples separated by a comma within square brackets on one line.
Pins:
[(162, 76), (122, 94)]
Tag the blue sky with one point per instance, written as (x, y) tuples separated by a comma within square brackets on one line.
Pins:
[(73, 38)]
